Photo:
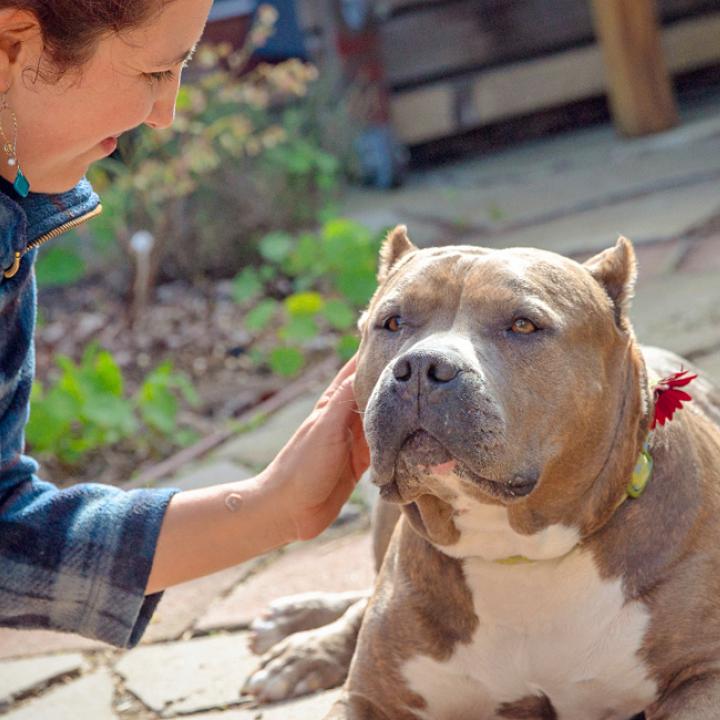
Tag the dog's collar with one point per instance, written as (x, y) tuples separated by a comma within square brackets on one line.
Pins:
[(641, 474)]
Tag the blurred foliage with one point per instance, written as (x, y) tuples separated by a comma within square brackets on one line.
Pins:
[(86, 408), (248, 153), (312, 284), (59, 265)]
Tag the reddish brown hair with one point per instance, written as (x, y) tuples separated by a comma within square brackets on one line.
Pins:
[(72, 28)]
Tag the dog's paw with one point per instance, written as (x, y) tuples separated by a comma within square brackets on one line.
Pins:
[(296, 613), (304, 663)]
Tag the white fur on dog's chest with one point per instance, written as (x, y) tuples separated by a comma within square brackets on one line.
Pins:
[(552, 627)]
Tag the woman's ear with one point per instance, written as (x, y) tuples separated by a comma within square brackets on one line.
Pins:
[(21, 44)]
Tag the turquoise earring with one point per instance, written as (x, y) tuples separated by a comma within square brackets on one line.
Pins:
[(21, 184)]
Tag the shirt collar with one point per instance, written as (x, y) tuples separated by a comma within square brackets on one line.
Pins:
[(23, 220)]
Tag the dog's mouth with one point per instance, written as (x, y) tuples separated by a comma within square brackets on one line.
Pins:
[(422, 455)]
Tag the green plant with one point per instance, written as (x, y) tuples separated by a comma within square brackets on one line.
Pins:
[(87, 408), (57, 266), (246, 154), (329, 275), (158, 401)]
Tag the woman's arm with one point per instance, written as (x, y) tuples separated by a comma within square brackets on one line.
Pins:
[(298, 495)]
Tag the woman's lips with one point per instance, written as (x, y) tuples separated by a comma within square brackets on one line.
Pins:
[(109, 145)]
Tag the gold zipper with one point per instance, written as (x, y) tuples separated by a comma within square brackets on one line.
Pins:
[(12, 270)]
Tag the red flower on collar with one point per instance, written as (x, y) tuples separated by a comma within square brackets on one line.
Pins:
[(668, 398)]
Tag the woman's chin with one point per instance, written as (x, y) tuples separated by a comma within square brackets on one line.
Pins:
[(58, 185)]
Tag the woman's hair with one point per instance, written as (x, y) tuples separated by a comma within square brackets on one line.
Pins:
[(72, 28)]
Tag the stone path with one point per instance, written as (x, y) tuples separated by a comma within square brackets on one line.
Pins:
[(573, 194)]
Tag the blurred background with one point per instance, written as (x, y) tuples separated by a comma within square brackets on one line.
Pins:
[(236, 249)]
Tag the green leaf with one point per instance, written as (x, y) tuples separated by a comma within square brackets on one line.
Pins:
[(159, 410), (247, 285), (306, 257), (183, 383), (260, 316), (276, 246), (339, 314), (300, 328), (50, 420), (286, 361), (357, 285), (267, 273), (69, 381), (59, 266), (304, 303), (183, 101), (108, 374), (112, 414), (347, 346)]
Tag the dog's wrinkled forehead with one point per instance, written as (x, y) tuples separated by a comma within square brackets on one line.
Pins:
[(441, 280)]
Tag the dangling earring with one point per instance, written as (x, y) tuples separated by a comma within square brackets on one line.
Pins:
[(21, 184)]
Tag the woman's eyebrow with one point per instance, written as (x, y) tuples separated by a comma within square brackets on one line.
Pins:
[(183, 57)]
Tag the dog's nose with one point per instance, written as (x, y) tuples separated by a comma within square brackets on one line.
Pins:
[(430, 366)]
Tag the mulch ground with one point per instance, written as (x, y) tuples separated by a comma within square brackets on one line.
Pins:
[(198, 328)]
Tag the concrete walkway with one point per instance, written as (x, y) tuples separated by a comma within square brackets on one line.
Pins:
[(573, 194)]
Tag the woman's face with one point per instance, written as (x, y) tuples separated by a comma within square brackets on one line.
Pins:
[(132, 78)]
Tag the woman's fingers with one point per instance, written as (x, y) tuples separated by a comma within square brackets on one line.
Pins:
[(347, 371)]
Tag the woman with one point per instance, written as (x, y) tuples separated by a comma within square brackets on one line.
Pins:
[(92, 559)]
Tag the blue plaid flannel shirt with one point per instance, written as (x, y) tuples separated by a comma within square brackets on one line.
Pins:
[(76, 559)]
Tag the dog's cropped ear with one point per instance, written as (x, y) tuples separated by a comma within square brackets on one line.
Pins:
[(616, 270), (395, 246)]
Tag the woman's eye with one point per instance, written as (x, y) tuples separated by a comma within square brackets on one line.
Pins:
[(393, 323), (161, 76), (523, 326)]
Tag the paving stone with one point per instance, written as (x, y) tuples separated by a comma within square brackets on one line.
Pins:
[(680, 312), (703, 255), (26, 643), (334, 566), (653, 258), (88, 698), (657, 259), (556, 176), (19, 676), (653, 217), (258, 447), (183, 604), (213, 472), (313, 707), (186, 677)]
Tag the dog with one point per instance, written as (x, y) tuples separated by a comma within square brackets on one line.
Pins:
[(546, 551)]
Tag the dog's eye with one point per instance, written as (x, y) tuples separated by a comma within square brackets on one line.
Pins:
[(523, 326), (393, 323)]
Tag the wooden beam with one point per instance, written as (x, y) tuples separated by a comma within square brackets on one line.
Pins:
[(639, 88), (451, 106)]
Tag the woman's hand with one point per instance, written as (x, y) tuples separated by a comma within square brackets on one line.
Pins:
[(314, 474), (296, 497)]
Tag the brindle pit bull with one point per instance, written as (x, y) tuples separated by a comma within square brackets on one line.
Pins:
[(506, 404)]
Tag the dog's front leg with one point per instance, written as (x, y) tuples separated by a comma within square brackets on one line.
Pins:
[(698, 698)]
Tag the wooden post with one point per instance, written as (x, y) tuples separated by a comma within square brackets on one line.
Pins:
[(639, 88)]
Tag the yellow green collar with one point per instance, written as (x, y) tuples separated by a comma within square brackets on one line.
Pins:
[(639, 479)]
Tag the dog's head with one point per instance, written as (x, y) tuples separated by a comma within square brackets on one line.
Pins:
[(501, 377)]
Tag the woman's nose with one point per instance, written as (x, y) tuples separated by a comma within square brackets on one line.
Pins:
[(162, 114)]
